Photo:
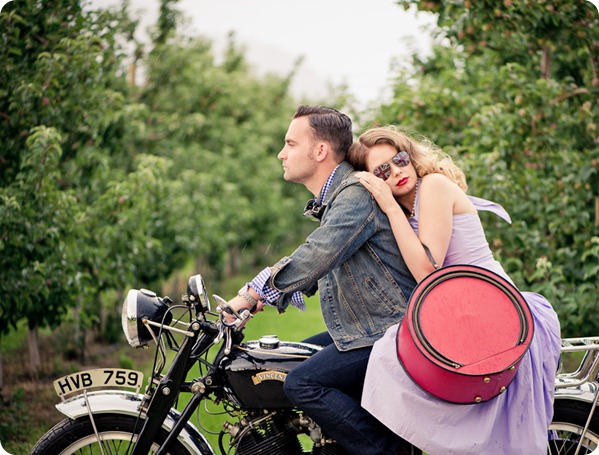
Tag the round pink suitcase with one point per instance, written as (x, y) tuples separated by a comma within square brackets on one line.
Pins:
[(464, 334)]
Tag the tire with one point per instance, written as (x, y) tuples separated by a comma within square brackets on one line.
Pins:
[(78, 436), (569, 420), (413, 450)]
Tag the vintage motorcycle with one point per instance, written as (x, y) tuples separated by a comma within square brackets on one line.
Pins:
[(246, 378)]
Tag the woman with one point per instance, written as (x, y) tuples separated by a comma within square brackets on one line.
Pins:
[(423, 193)]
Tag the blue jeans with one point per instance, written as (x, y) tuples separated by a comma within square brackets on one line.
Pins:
[(328, 388)]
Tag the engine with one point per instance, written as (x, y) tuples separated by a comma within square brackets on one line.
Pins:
[(255, 372), (277, 434), (268, 435)]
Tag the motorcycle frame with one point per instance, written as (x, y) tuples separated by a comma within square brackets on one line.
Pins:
[(155, 407), (201, 335), (159, 412)]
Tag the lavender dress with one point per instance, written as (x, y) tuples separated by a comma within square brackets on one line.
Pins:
[(515, 422)]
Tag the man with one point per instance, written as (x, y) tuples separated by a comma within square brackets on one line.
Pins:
[(353, 261)]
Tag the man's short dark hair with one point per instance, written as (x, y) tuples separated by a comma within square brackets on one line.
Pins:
[(329, 125)]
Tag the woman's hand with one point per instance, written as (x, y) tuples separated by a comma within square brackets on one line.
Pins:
[(380, 190)]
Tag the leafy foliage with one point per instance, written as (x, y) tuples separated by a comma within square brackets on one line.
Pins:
[(36, 221), (106, 184), (223, 130), (512, 95), (60, 89)]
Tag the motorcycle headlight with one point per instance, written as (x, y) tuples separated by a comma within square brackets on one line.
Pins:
[(140, 305), (197, 292)]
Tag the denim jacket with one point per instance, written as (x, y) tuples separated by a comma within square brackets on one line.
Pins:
[(353, 260)]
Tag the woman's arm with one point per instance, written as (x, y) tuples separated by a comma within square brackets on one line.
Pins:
[(438, 197)]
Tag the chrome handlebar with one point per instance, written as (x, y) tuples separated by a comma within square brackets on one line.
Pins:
[(241, 318), (588, 366)]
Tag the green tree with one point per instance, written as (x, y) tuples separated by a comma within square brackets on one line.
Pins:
[(62, 84), (150, 176), (222, 127), (513, 97), (37, 222), (59, 68)]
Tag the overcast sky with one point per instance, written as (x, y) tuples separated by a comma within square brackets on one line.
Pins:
[(341, 41)]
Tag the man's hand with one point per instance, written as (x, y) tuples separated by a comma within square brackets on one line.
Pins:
[(239, 304)]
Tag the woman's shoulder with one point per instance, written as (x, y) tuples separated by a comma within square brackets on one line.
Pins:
[(439, 182), (433, 185)]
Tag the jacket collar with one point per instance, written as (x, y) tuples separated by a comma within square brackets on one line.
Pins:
[(344, 170), (314, 209)]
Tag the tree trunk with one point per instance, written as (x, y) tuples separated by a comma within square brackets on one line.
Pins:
[(34, 351), (233, 264), (546, 63), (132, 73), (103, 314)]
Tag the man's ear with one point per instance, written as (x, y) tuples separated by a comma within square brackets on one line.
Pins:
[(323, 150)]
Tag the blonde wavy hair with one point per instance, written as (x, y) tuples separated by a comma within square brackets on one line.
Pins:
[(426, 157)]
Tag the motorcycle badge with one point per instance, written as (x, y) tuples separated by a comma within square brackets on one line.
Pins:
[(269, 375)]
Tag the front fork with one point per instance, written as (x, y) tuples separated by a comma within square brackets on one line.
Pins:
[(167, 392)]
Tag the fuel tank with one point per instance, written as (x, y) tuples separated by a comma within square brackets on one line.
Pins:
[(256, 370)]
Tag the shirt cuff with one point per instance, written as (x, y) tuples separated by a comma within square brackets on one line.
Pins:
[(270, 295)]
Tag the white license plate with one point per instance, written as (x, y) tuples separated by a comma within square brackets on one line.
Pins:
[(101, 377)]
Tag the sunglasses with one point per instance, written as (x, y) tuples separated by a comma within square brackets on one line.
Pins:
[(402, 159)]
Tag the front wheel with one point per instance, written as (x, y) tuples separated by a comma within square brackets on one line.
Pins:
[(117, 432), (565, 431)]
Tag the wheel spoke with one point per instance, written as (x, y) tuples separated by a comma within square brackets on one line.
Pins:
[(565, 438), (116, 432)]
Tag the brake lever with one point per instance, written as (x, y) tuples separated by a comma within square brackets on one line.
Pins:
[(240, 320)]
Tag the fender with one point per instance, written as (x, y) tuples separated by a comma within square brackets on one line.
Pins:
[(127, 403)]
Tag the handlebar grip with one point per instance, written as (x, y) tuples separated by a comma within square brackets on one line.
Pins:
[(227, 309)]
